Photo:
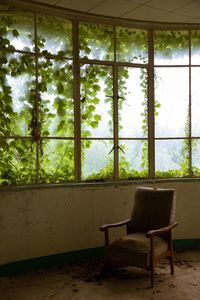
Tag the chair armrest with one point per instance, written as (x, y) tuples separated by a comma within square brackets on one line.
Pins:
[(117, 224), (161, 230), (105, 228)]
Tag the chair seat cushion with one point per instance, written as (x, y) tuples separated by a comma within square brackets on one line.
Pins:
[(134, 249)]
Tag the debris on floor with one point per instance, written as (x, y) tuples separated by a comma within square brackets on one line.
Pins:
[(85, 281)]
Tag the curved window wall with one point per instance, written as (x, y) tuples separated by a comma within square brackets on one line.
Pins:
[(83, 101)]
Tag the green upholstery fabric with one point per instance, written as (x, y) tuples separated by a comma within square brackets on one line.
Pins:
[(153, 208), (134, 249)]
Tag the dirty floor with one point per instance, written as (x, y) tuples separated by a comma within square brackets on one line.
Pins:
[(83, 281)]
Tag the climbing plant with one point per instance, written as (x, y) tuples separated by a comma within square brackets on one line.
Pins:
[(96, 42), (37, 115), (132, 46), (172, 48)]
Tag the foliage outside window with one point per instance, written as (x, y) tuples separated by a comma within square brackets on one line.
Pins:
[(47, 133)]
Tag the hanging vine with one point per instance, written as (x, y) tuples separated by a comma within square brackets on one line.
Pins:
[(37, 119)]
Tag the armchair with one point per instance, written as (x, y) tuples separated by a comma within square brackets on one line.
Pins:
[(148, 231)]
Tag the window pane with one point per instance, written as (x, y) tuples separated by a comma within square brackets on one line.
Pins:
[(96, 101), (196, 157), (56, 161), (195, 47), (54, 36), (132, 45), (96, 41), (97, 160), (17, 30), (17, 94), (171, 102), (171, 47), (133, 119), (133, 159), (172, 158), (195, 75), (18, 161), (56, 89)]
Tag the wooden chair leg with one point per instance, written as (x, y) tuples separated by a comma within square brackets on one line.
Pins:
[(152, 262), (171, 253), (152, 275), (171, 262)]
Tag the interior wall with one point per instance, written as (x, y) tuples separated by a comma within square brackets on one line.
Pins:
[(41, 222)]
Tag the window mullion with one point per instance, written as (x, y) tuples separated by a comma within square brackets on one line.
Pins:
[(115, 115), (190, 109), (77, 112), (115, 112), (36, 129), (151, 120)]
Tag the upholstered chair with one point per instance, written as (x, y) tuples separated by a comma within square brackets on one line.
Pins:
[(148, 231)]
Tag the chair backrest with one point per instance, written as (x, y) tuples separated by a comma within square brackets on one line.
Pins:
[(153, 208)]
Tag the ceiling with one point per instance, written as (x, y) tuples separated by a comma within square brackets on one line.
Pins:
[(178, 11)]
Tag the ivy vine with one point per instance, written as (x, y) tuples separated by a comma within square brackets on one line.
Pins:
[(36, 96)]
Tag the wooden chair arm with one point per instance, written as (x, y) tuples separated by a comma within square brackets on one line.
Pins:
[(105, 228), (162, 230), (117, 224)]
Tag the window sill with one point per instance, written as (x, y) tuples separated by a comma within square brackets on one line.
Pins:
[(14, 188)]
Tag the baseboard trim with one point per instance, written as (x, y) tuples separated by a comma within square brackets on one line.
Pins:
[(186, 244), (76, 256), (51, 260)]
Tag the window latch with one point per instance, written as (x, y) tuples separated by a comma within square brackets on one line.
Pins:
[(111, 150), (118, 147)]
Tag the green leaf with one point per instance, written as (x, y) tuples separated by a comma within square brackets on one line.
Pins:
[(15, 33), (91, 108), (94, 124), (61, 53), (3, 60), (60, 88), (95, 100), (97, 117), (11, 48), (46, 133), (96, 87), (157, 105)]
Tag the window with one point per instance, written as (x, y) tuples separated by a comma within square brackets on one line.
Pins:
[(176, 103), (172, 102), (37, 107), (76, 100)]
